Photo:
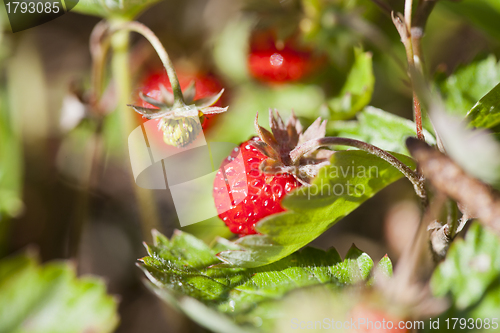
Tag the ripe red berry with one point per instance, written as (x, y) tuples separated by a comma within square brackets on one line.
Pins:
[(206, 85), (271, 64), (243, 194)]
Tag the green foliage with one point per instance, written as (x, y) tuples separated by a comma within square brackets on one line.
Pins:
[(379, 128), (10, 164), (467, 85), (471, 267), (184, 271), (353, 177), (50, 299), (357, 90), (484, 14), (486, 113), (471, 276), (124, 9)]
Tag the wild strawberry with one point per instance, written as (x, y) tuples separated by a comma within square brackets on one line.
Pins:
[(269, 63), (257, 194), (253, 180), (179, 113), (206, 85)]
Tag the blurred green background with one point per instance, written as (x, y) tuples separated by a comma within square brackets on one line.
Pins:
[(62, 202)]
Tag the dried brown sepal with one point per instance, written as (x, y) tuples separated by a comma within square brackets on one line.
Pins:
[(284, 138)]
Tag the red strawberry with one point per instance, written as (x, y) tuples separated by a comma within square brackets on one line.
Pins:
[(253, 180), (271, 64), (206, 85), (258, 194)]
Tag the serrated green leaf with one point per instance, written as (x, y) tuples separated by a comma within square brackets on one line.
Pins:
[(50, 299), (486, 113), (384, 266), (471, 267), (353, 177), (467, 85), (182, 272), (379, 128), (125, 9), (357, 90)]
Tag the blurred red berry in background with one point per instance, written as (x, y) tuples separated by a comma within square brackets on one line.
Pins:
[(276, 61)]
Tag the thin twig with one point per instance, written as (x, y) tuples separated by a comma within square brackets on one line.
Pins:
[(408, 13), (99, 45), (391, 159), (423, 12), (418, 117)]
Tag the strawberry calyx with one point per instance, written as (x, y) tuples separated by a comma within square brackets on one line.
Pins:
[(278, 144), (179, 116)]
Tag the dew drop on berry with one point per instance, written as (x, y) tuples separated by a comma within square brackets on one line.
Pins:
[(267, 189), (276, 60)]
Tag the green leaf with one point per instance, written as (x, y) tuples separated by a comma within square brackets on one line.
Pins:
[(379, 128), (357, 90), (50, 299), (463, 89), (486, 113), (353, 177), (471, 267), (125, 9), (384, 266), (182, 273)]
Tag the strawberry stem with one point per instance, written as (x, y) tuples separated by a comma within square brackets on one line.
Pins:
[(120, 69), (162, 54), (386, 156)]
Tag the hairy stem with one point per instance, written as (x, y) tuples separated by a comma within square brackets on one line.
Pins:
[(417, 110), (162, 54), (408, 12), (122, 78), (391, 159)]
